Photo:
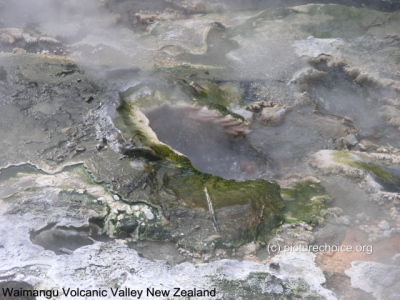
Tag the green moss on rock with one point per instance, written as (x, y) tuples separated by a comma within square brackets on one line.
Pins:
[(143, 136), (181, 70), (258, 203), (379, 171), (136, 225), (153, 230), (225, 192), (305, 201)]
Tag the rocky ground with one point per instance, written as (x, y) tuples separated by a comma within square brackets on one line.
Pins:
[(253, 151)]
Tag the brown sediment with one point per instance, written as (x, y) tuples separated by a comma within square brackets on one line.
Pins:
[(229, 124), (341, 285), (338, 262), (240, 130)]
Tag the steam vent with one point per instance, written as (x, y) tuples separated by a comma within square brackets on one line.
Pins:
[(189, 149)]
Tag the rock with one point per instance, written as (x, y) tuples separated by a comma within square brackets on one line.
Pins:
[(380, 280), (291, 235), (18, 51), (330, 234), (247, 249), (308, 75), (306, 201), (99, 146), (128, 225), (230, 278), (10, 35), (80, 148), (361, 217), (351, 140), (231, 210), (345, 220), (71, 145), (147, 213), (336, 211), (396, 259), (382, 150), (269, 113), (367, 145), (387, 233), (384, 225), (272, 116), (355, 165)]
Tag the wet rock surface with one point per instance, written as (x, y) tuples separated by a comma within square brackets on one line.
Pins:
[(181, 143)]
